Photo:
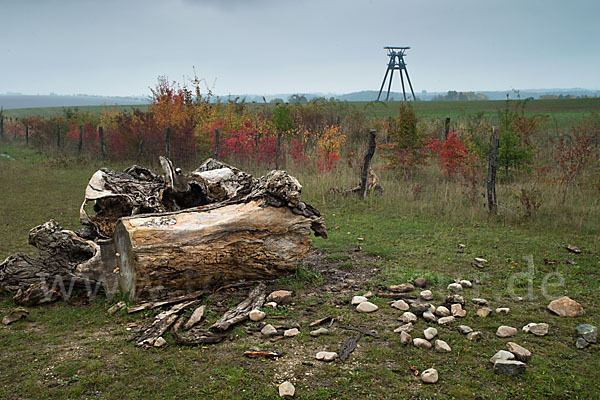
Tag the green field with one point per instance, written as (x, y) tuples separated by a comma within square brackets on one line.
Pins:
[(76, 350)]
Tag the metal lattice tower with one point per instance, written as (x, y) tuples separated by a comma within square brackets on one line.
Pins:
[(396, 62)]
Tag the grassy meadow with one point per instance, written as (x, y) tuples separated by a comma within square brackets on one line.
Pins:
[(76, 350)]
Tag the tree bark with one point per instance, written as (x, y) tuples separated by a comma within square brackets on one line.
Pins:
[(364, 175)]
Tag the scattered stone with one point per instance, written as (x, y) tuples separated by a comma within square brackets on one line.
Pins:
[(422, 343), (160, 342), (401, 305), (502, 310), (358, 299), (366, 307), (286, 390), (484, 312), (430, 333), (256, 315), (455, 287), (403, 288), (429, 376), (420, 282), (291, 332), (480, 302), (477, 265), (326, 356), (520, 352), (474, 336), (15, 315), (502, 355), (573, 249), (319, 332), (464, 329), (442, 346), (540, 329), (280, 296), (566, 307), (442, 311), (446, 320), (480, 260), (455, 299), (457, 310), (588, 332), (404, 328), (271, 304), (581, 343), (418, 307), (426, 295), (117, 307), (408, 317), (268, 330), (405, 338), (461, 246), (429, 317), (369, 294), (509, 367), (465, 283), (506, 331)]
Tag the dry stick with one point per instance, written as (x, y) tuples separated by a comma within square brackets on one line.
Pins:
[(194, 336), (363, 331), (154, 304), (349, 346), (255, 300), (162, 322), (492, 168), (364, 174)]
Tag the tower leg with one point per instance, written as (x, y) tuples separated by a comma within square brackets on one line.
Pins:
[(410, 85), (383, 83), (389, 86), (402, 80)]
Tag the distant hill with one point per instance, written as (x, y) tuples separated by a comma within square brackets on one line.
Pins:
[(12, 101)]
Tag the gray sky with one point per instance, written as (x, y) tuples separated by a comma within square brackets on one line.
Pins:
[(110, 47)]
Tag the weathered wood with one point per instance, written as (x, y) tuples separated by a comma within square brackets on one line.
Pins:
[(102, 145), (364, 175), (194, 336), (446, 128), (255, 300), (195, 318), (198, 249), (155, 304), (265, 354), (361, 330), (80, 143), (349, 346), (161, 323), (492, 168)]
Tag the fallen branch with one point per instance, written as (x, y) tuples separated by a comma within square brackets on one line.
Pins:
[(349, 346), (194, 336), (155, 304), (363, 331), (255, 300), (161, 323), (265, 354)]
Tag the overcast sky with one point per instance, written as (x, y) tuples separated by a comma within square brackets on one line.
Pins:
[(120, 47)]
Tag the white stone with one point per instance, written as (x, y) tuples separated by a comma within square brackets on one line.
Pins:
[(502, 355), (358, 299), (540, 329), (405, 328), (480, 260), (291, 332), (484, 312), (455, 287), (268, 330), (256, 315), (160, 342), (442, 311), (465, 283), (405, 338), (502, 310), (464, 329), (280, 296), (506, 331), (430, 333), (422, 343), (429, 376), (401, 305), (428, 316), (442, 346), (271, 304), (426, 295), (319, 332), (366, 307), (480, 301), (326, 355), (286, 389), (408, 317), (446, 320), (458, 311)]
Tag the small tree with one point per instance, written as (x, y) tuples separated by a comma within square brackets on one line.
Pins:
[(283, 122)]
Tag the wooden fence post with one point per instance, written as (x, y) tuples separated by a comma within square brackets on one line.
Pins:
[(26, 134), (216, 156), (58, 136), (80, 144), (102, 146), (2, 123), (168, 142), (446, 128), (492, 168), (364, 174)]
